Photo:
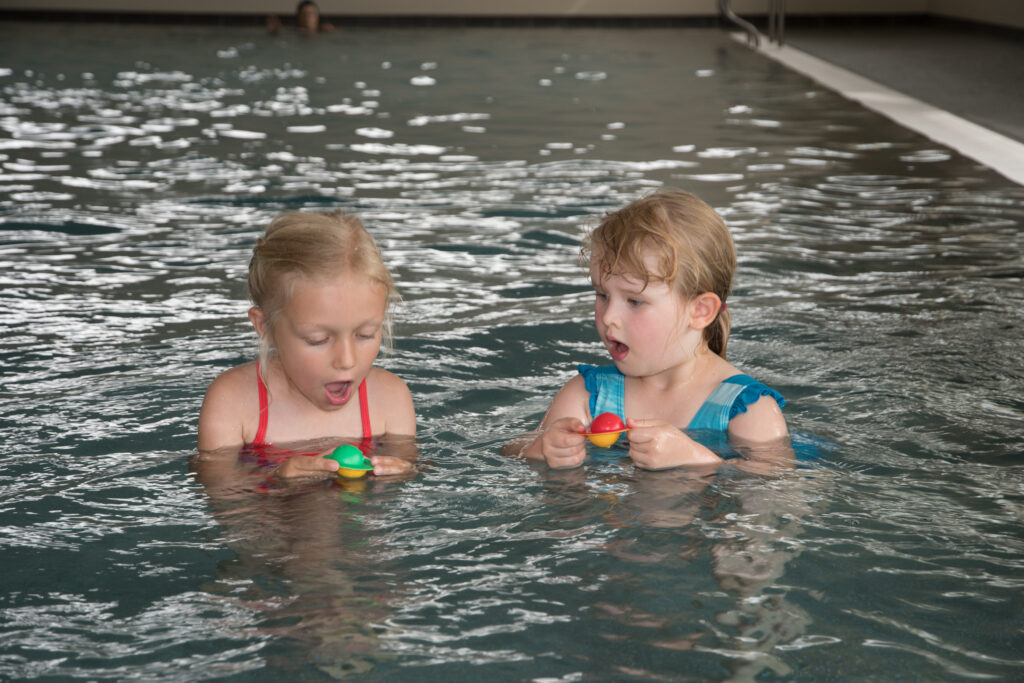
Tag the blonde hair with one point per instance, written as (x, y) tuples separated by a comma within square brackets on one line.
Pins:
[(692, 248), (316, 246)]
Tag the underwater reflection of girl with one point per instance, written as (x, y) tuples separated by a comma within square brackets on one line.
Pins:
[(668, 527), (305, 570)]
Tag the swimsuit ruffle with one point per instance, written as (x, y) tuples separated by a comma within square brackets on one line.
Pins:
[(751, 395)]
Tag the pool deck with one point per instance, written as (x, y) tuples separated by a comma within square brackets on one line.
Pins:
[(958, 84)]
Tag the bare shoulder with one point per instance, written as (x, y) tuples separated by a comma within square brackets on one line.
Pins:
[(237, 383), (763, 422), (719, 369), (384, 382), (570, 401), (391, 400), (229, 400)]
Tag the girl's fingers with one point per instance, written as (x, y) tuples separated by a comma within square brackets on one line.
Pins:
[(563, 463), (387, 464), (304, 466), (573, 425), (639, 435)]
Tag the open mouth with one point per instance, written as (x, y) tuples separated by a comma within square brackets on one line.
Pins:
[(338, 392), (617, 349)]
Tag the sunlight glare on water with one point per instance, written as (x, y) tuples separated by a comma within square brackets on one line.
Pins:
[(879, 290)]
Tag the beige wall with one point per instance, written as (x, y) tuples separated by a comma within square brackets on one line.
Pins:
[(475, 7), (1005, 12)]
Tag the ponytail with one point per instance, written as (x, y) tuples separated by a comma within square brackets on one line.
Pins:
[(716, 335)]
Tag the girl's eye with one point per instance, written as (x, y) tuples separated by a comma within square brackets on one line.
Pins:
[(316, 342), (601, 296), (635, 302), (367, 336)]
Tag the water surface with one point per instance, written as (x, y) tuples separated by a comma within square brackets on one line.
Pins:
[(879, 289)]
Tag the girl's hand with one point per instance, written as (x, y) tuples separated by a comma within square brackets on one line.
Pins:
[(657, 445), (389, 464), (563, 444), (306, 466)]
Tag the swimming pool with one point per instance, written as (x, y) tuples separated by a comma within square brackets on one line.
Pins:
[(879, 290)]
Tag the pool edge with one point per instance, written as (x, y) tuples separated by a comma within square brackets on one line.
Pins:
[(1002, 154)]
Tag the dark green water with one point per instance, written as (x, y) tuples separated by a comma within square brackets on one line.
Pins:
[(879, 290)]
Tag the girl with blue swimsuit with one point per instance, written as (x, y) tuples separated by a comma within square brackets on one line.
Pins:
[(662, 269)]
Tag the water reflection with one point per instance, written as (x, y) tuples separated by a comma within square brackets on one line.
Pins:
[(744, 528), (879, 290), (306, 559)]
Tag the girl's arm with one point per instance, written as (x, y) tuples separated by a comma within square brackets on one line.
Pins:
[(220, 418), (391, 392), (761, 430), (658, 445), (763, 423), (391, 404), (559, 440), (761, 436), (222, 430)]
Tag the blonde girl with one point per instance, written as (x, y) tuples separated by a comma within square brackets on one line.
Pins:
[(321, 306)]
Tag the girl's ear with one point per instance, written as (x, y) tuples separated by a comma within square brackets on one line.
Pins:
[(258, 320), (704, 309)]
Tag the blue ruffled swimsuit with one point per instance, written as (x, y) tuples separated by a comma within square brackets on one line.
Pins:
[(607, 388)]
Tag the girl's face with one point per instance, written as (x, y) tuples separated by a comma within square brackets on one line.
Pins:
[(328, 336), (642, 328)]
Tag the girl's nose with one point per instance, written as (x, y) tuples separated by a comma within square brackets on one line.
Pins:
[(344, 354), (609, 315)]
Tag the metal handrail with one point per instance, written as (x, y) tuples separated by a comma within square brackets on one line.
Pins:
[(776, 22), (753, 37)]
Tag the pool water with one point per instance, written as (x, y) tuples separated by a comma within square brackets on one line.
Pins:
[(879, 290)]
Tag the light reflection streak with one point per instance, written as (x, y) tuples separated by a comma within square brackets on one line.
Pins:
[(867, 267)]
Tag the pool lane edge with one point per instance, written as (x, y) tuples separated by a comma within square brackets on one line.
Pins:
[(1002, 154)]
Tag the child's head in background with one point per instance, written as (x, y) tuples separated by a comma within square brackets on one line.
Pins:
[(669, 237), (307, 15)]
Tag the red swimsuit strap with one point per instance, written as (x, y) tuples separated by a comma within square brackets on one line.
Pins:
[(364, 413), (261, 430)]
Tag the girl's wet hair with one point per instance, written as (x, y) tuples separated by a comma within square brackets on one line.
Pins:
[(317, 246), (692, 249)]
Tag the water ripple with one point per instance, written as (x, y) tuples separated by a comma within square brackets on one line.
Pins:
[(879, 289)]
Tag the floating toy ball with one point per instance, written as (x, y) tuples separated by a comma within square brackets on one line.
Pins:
[(352, 463), (605, 430)]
